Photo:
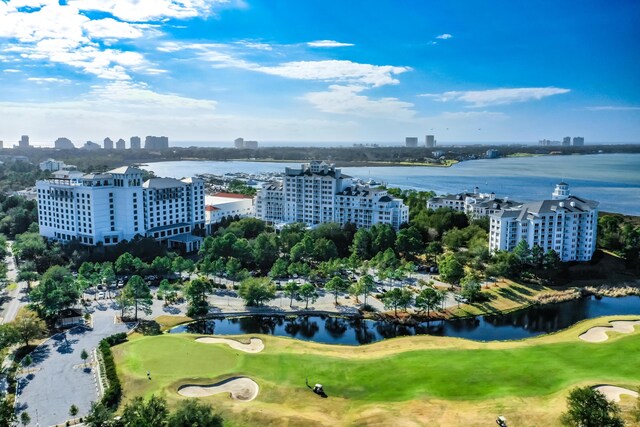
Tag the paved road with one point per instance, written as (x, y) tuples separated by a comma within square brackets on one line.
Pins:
[(16, 298), (57, 378)]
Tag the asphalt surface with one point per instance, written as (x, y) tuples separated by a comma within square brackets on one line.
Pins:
[(58, 378)]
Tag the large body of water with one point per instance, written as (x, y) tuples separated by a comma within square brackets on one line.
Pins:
[(525, 323), (612, 179)]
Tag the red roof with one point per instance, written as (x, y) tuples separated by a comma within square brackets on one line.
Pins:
[(232, 195), (210, 208)]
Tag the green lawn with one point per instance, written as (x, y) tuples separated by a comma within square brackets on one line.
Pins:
[(387, 374)]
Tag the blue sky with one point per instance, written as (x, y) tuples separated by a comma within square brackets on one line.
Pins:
[(319, 71)]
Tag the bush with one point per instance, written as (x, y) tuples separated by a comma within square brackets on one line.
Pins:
[(113, 393)]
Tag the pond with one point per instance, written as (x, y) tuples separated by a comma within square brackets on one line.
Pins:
[(525, 323)]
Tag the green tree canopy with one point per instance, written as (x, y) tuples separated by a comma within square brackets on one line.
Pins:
[(137, 291), (55, 292), (193, 413), (587, 407), (451, 270), (256, 290)]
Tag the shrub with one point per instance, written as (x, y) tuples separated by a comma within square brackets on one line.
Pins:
[(113, 392)]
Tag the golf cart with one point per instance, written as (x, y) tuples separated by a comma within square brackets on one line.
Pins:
[(501, 421)]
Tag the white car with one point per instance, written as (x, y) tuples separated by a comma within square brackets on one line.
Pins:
[(101, 295)]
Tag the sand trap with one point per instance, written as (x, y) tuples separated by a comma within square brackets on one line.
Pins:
[(599, 333), (613, 393), (255, 344), (240, 388)]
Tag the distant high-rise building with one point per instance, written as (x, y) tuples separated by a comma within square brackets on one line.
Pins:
[(63, 143), (156, 143), (135, 143), (411, 141), (108, 143), (24, 141), (566, 141), (252, 145), (430, 140), (90, 145), (578, 141), (120, 144), (1, 145), (239, 143)]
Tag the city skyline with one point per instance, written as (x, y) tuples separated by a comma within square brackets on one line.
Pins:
[(281, 71)]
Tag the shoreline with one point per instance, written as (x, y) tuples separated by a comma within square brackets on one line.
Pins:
[(570, 294)]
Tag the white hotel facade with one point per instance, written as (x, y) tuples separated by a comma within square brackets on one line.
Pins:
[(318, 192), (106, 208), (566, 224)]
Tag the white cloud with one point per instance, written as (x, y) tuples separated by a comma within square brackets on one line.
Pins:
[(109, 28), (337, 71), (613, 108), (483, 98), (11, 70), (444, 36), (42, 80), (150, 10), (328, 43), (255, 45), (348, 100)]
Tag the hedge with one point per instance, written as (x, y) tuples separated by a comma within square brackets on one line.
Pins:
[(113, 392)]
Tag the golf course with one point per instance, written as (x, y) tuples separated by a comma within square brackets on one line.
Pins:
[(409, 381)]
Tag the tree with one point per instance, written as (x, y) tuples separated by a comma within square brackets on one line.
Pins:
[(429, 299), (196, 292), (161, 265), (8, 335), (28, 273), (523, 252), (99, 415), (73, 411), (137, 291), (551, 260), (192, 413), (7, 413), (139, 413), (125, 301), (291, 290), (265, 251), (308, 293), (587, 407), (279, 268), (451, 271), (27, 361), (28, 325), (471, 286), (25, 418), (408, 241), (124, 264), (256, 290), (84, 356), (396, 298), (364, 286), (335, 286), (55, 292)]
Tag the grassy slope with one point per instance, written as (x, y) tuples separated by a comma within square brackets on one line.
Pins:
[(412, 380)]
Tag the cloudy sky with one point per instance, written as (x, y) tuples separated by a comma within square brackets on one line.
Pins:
[(320, 70)]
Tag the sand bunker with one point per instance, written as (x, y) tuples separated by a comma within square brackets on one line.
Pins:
[(241, 388), (599, 333), (255, 344), (613, 393)]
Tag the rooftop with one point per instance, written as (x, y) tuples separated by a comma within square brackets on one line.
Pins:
[(162, 183)]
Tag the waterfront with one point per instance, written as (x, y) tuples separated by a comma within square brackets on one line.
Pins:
[(612, 179), (520, 324)]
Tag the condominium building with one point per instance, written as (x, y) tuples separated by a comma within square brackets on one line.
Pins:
[(566, 224), (106, 208), (51, 165), (430, 140), (120, 144), (135, 142), (318, 192), (476, 204), (411, 141), (156, 143), (108, 143)]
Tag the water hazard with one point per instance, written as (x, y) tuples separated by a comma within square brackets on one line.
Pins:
[(519, 324)]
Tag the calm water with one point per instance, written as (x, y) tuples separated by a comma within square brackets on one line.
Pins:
[(520, 324), (612, 179)]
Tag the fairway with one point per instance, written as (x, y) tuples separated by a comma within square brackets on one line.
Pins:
[(404, 381)]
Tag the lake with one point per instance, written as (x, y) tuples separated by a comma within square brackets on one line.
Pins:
[(525, 323), (612, 179)]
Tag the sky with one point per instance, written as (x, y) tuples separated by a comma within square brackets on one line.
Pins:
[(320, 71)]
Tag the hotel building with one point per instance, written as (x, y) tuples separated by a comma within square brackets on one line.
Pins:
[(106, 208)]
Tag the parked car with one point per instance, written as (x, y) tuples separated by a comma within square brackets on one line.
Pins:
[(101, 295)]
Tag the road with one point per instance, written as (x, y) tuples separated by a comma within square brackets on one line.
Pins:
[(16, 298)]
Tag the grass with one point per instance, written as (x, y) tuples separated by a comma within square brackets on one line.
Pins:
[(501, 297), (402, 381)]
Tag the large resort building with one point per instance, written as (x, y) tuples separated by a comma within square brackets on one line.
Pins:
[(476, 204), (318, 193), (106, 208), (565, 224)]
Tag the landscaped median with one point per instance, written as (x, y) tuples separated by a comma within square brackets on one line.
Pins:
[(411, 380)]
